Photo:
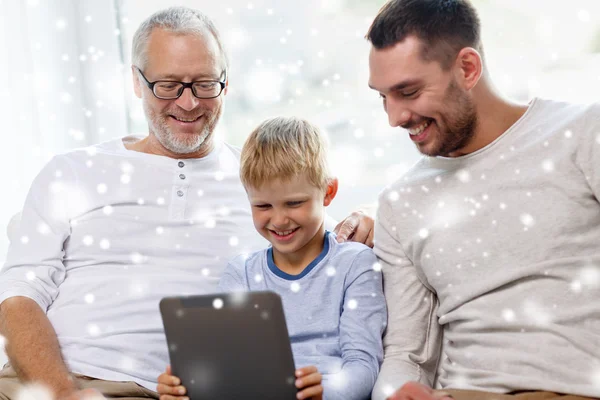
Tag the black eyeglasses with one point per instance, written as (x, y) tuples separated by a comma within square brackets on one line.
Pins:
[(170, 90)]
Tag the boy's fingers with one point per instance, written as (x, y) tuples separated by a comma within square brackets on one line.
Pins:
[(306, 370), (168, 379), (169, 370), (309, 380), (169, 389), (310, 392), (169, 397)]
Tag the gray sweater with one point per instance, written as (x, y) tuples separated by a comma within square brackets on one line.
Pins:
[(495, 257)]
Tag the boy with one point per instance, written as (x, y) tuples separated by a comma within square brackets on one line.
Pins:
[(332, 292)]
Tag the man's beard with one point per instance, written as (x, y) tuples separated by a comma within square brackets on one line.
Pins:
[(189, 143), (460, 123)]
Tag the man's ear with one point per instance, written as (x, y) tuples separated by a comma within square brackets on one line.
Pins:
[(330, 192), (137, 89), (226, 87), (469, 67)]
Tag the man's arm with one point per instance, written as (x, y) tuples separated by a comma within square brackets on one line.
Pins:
[(413, 338), (32, 346), (31, 277)]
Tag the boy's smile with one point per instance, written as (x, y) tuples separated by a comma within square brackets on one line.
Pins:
[(289, 214)]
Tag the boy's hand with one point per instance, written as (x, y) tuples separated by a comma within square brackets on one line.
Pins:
[(309, 381), (169, 386)]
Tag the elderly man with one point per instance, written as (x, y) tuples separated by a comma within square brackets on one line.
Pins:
[(491, 241), (109, 230)]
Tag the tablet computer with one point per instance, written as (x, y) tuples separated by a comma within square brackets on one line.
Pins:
[(230, 346)]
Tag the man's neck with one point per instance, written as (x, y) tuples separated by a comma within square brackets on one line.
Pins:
[(151, 145), (495, 115)]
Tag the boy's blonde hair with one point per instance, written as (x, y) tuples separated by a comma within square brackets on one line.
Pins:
[(282, 148)]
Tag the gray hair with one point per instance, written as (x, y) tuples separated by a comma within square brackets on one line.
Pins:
[(178, 20)]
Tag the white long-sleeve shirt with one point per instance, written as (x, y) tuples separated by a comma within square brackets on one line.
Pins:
[(498, 253), (107, 232)]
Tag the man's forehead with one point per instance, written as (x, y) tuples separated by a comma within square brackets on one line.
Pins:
[(395, 64), (174, 55)]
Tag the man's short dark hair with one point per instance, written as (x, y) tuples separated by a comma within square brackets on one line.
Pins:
[(443, 26)]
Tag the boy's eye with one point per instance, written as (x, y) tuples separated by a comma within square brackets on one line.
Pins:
[(408, 94), (262, 206), (295, 203)]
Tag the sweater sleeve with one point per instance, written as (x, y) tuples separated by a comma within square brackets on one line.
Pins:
[(362, 323), (34, 266), (413, 338)]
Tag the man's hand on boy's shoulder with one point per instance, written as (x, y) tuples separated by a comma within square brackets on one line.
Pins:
[(357, 227)]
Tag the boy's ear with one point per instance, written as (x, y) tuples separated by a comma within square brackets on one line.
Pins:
[(330, 192)]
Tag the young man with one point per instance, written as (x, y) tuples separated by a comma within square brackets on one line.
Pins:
[(332, 293), (491, 240)]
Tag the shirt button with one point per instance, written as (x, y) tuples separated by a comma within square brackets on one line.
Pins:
[(181, 164), (179, 193), (181, 176)]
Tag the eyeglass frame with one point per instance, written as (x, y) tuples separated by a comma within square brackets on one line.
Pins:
[(184, 85)]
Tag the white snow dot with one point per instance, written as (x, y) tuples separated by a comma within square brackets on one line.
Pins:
[(33, 391), (210, 223), (295, 286), (93, 329), (590, 276), (88, 19), (352, 304), (160, 230), (219, 175), (89, 298), (101, 188), (583, 15), (527, 219), (30, 275), (388, 391), (141, 201), (24, 239), (258, 278), (43, 228), (107, 210), (234, 241), (136, 258), (423, 233), (125, 179), (508, 315), (377, 267), (548, 165), (502, 206), (205, 272), (330, 271), (160, 201), (104, 244), (200, 193), (218, 303), (576, 286), (568, 134), (598, 138), (88, 240), (61, 24), (463, 176)]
